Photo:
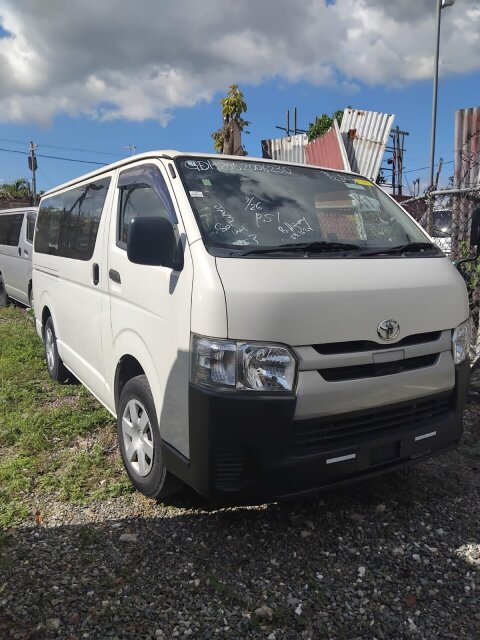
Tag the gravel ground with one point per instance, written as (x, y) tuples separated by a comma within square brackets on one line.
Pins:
[(396, 557)]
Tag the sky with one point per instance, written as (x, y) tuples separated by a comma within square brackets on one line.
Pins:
[(87, 81)]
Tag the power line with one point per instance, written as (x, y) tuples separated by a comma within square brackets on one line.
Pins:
[(45, 177), (423, 168), (53, 146), (40, 155)]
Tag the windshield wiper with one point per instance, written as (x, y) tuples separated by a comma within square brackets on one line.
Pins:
[(410, 247), (304, 247)]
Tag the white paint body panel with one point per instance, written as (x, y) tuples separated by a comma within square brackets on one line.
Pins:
[(313, 301)]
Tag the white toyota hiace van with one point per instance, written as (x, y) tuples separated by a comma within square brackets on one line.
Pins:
[(260, 330), (16, 237)]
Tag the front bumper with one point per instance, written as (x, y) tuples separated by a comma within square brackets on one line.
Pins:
[(247, 447)]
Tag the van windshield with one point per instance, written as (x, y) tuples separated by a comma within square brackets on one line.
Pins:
[(245, 207)]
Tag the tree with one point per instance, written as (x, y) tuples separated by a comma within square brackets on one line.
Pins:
[(228, 139), (322, 124), (17, 190)]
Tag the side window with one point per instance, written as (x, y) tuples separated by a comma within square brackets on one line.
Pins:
[(68, 223), (30, 226), (10, 227), (143, 192), (48, 225)]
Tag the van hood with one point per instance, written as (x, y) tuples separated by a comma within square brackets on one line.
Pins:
[(314, 301)]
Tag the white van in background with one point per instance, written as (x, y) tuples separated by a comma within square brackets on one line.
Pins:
[(442, 230), (259, 329), (16, 243)]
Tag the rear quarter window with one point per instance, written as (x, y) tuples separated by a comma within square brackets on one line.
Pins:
[(10, 227), (67, 223)]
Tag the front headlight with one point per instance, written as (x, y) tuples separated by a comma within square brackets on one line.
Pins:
[(242, 365), (461, 342)]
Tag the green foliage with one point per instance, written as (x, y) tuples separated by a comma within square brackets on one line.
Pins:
[(17, 190), (471, 270), (322, 124), (56, 441), (233, 106), (381, 178)]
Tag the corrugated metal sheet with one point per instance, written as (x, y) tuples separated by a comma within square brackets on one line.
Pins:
[(467, 148), (287, 149), (328, 150), (365, 136)]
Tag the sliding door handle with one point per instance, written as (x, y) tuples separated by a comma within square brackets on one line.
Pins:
[(115, 276)]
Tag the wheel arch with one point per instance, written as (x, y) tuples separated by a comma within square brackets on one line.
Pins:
[(46, 314), (128, 367)]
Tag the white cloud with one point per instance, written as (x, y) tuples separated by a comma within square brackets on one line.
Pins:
[(140, 60)]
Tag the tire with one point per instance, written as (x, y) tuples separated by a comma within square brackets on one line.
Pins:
[(3, 295), (55, 366), (140, 443), (30, 296)]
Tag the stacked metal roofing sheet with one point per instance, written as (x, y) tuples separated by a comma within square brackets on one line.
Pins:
[(365, 136), (288, 149), (467, 148), (328, 150)]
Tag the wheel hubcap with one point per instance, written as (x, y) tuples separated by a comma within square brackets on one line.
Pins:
[(50, 349), (137, 438)]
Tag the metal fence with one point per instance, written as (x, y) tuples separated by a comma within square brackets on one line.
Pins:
[(447, 215)]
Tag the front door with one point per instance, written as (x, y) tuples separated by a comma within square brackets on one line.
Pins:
[(150, 305)]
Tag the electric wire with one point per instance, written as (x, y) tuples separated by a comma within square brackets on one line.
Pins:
[(54, 146), (42, 155)]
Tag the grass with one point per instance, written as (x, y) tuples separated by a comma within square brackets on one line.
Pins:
[(56, 441)]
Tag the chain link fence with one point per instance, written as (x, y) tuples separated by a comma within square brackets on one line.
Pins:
[(447, 216)]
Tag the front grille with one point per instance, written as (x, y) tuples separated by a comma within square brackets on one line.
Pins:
[(377, 369), (356, 346), (310, 437), (229, 468)]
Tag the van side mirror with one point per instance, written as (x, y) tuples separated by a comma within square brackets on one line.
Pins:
[(152, 241), (475, 230)]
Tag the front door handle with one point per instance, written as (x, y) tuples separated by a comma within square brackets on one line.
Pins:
[(115, 276), (95, 273), (19, 251)]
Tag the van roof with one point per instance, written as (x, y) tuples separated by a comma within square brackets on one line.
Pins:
[(171, 155), (18, 210)]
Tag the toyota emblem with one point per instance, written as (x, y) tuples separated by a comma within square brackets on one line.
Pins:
[(388, 329)]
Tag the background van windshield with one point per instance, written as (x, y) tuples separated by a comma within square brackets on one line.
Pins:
[(244, 203)]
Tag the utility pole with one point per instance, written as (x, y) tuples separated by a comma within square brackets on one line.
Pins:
[(441, 4), (32, 165), (288, 130), (397, 150)]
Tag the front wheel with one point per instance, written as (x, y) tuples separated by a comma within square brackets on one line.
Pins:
[(55, 366), (140, 443)]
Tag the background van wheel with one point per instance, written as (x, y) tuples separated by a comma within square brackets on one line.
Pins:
[(30, 297), (55, 366), (140, 443), (3, 295)]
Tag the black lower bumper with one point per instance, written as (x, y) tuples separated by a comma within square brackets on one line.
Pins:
[(247, 448)]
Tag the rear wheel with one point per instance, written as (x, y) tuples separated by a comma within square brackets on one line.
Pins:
[(140, 443), (55, 366), (3, 295)]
